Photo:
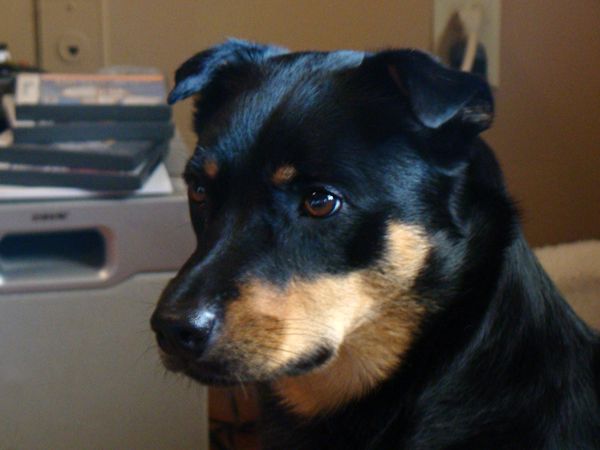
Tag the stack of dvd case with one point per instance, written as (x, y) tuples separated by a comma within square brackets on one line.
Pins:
[(93, 131)]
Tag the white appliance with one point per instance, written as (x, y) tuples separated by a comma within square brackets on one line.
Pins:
[(78, 362)]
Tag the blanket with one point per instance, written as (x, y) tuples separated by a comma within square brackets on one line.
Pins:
[(575, 269)]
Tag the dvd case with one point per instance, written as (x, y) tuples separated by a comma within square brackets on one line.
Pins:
[(46, 132), (91, 97), (100, 155), (83, 178)]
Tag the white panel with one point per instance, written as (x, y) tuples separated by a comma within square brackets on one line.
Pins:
[(445, 24), (80, 370)]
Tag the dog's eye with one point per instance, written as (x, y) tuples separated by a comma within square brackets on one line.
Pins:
[(321, 203), (197, 194)]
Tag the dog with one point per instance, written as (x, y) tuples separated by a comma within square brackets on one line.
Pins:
[(360, 260)]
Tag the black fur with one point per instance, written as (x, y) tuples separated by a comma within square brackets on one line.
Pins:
[(501, 361)]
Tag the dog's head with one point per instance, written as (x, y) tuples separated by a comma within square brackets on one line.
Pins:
[(321, 190)]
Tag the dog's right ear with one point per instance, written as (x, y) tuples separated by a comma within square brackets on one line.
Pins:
[(198, 71)]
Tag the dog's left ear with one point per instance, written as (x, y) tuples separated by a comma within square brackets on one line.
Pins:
[(200, 70), (438, 94)]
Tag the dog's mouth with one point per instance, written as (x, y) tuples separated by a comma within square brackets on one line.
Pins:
[(221, 372), (205, 372)]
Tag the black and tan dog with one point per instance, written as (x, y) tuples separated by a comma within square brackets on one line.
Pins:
[(359, 258)]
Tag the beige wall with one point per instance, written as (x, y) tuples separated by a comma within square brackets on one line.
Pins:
[(547, 133), (17, 28), (166, 32)]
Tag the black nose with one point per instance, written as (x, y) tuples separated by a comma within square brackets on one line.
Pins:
[(183, 334)]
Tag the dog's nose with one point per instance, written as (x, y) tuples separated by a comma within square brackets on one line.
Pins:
[(186, 334)]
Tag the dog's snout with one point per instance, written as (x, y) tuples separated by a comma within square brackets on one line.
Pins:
[(183, 334)]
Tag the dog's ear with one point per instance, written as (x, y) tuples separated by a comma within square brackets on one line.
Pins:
[(198, 71), (437, 94)]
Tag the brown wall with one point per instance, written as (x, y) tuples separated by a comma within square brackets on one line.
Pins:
[(547, 133)]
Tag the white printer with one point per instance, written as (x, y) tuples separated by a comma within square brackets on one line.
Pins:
[(79, 367)]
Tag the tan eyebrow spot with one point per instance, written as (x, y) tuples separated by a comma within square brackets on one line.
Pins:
[(284, 174), (211, 168)]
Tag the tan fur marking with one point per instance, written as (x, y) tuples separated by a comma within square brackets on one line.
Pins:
[(250, 340), (375, 348), (284, 174), (407, 249), (306, 314), (211, 168), (311, 312), (370, 316), (365, 358)]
